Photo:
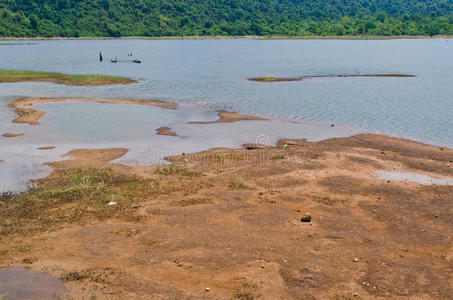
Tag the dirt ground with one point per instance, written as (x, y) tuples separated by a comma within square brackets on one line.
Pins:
[(226, 224)]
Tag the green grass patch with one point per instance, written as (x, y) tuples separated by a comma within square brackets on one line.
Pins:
[(68, 79)]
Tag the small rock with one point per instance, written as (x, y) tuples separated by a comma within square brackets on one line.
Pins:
[(306, 217), (262, 266), (373, 211), (355, 259), (112, 203), (207, 289), (356, 294), (423, 230), (285, 261)]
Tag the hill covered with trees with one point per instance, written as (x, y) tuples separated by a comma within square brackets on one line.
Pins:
[(115, 18)]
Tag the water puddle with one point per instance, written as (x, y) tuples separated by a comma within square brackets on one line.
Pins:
[(19, 283), (413, 177)]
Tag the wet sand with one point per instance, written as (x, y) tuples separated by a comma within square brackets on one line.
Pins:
[(31, 116), (90, 157), (229, 117), (12, 134), (164, 130), (230, 220)]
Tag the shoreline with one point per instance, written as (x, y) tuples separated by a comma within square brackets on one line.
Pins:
[(167, 219), (269, 37)]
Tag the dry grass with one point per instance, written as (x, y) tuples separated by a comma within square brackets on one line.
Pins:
[(237, 182), (75, 196)]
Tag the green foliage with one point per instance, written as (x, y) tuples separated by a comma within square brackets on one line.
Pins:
[(115, 18)]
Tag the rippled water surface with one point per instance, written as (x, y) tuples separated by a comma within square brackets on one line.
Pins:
[(204, 75)]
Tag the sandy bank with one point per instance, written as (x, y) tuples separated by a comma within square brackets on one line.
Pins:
[(31, 116), (12, 134), (229, 117), (90, 157), (68, 79), (230, 220), (282, 79)]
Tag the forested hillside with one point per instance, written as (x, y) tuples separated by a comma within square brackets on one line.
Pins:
[(74, 18)]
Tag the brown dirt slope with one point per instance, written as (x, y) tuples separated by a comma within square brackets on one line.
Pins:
[(229, 220)]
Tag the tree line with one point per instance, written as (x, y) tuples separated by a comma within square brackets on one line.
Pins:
[(116, 18)]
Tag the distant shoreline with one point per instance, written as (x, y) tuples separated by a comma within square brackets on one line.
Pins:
[(265, 37)]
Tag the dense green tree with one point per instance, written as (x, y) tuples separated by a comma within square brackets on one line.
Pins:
[(49, 18)]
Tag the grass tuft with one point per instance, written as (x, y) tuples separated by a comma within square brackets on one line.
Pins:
[(236, 182)]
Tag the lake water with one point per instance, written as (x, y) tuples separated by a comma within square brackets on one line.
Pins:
[(205, 75)]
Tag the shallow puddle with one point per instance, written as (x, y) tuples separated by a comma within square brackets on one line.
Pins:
[(19, 283), (413, 177)]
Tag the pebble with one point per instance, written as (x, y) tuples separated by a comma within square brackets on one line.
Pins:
[(355, 259), (262, 266), (356, 294), (207, 289), (306, 218), (112, 203)]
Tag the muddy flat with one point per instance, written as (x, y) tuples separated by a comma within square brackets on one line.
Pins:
[(226, 224), (229, 117)]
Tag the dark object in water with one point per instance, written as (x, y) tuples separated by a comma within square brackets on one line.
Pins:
[(137, 61), (114, 60), (100, 56)]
